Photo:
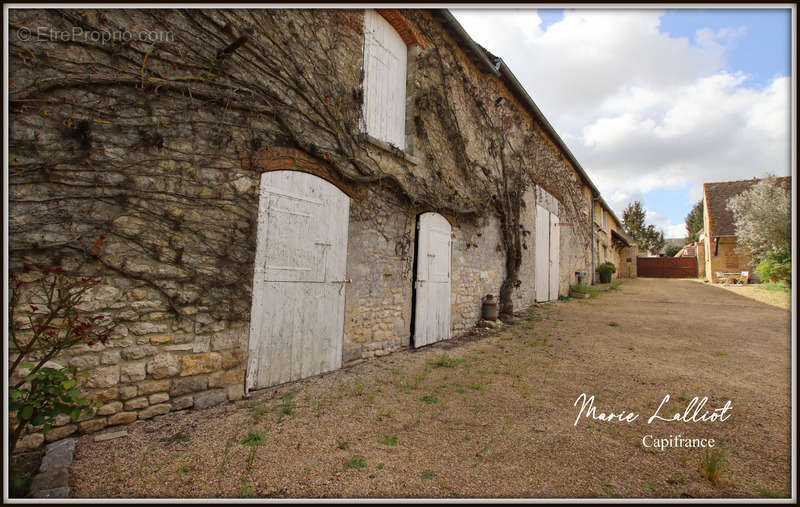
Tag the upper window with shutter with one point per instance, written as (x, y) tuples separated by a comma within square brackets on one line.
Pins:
[(385, 57)]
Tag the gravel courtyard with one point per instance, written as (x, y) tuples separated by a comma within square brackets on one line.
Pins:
[(492, 415)]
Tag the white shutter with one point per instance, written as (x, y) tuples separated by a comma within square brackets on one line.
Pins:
[(554, 256), (385, 57), (542, 257)]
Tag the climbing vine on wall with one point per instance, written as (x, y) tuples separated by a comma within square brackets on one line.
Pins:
[(139, 154)]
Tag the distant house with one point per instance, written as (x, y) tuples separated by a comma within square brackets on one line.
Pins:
[(689, 250), (718, 238)]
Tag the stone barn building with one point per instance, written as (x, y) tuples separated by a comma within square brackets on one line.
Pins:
[(266, 195), (718, 240)]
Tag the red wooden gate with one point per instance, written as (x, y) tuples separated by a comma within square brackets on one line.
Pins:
[(667, 267)]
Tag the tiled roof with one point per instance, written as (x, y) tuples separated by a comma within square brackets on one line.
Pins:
[(717, 195)]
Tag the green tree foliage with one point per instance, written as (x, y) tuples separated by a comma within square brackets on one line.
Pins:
[(694, 222), (763, 218), (671, 250), (646, 236)]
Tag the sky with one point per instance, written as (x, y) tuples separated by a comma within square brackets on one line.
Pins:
[(654, 102)]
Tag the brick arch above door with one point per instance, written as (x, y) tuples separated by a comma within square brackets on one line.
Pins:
[(278, 158)]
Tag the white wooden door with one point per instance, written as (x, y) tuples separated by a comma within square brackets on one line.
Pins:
[(432, 287), (546, 259), (553, 257), (542, 254), (297, 317)]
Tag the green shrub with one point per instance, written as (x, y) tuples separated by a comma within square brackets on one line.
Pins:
[(777, 265), (605, 270)]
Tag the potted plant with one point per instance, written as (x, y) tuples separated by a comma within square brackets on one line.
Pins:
[(605, 270)]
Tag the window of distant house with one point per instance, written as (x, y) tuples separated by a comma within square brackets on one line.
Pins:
[(385, 57), (603, 213)]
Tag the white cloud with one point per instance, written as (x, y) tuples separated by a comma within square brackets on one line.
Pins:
[(665, 225), (640, 109)]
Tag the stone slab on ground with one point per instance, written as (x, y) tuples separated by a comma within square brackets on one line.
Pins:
[(110, 435), (68, 443), (59, 457), (53, 478), (62, 492)]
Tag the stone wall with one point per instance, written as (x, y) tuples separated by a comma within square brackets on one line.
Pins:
[(151, 185), (727, 259)]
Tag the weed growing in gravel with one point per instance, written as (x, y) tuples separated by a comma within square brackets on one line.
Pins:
[(769, 493), (429, 400), (609, 492), (180, 436), (317, 406), (246, 491), (355, 462), (286, 408), (419, 378), (613, 324), (444, 361), (476, 387), (428, 474), (712, 467), (387, 440), (225, 456), (460, 390), (254, 439), (184, 470), (257, 411)]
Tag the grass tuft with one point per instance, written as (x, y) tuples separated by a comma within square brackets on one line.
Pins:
[(388, 440), (712, 467), (444, 361), (355, 462), (429, 400), (254, 439)]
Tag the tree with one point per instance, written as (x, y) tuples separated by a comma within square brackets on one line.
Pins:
[(647, 237), (694, 222), (763, 218), (671, 250)]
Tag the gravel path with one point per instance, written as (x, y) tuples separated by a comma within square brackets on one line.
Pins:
[(492, 415)]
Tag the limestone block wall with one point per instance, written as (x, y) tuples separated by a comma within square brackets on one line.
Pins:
[(379, 265), (701, 258), (727, 259), (153, 363)]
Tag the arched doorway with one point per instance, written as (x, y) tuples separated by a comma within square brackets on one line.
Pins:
[(432, 280), (297, 316)]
